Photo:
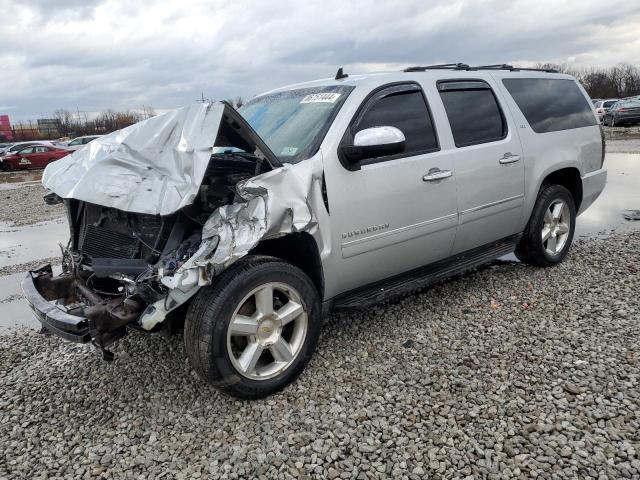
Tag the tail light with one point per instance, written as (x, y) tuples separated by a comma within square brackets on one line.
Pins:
[(623, 109)]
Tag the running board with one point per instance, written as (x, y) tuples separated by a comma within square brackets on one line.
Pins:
[(413, 280)]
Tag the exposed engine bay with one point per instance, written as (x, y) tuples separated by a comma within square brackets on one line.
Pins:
[(156, 211), (115, 260)]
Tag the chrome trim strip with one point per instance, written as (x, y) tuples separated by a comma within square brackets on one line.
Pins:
[(398, 230), (492, 204)]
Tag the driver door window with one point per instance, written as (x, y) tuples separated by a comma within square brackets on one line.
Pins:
[(405, 108)]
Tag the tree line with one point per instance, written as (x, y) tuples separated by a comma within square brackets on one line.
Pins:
[(70, 125), (619, 81)]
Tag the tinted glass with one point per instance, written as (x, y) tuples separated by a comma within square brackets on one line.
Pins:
[(406, 111), (609, 103), (473, 112), (550, 104)]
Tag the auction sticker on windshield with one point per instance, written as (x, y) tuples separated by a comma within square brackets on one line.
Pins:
[(329, 97)]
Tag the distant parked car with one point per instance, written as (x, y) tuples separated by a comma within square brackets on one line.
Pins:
[(33, 156), (15, 147), (79, 142), (624, 112), (603, 106), (5, 146)]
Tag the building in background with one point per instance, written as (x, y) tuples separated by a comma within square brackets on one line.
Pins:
[(48, 127), (6, 135)]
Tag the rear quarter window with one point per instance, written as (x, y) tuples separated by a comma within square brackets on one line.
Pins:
[(550, 104)]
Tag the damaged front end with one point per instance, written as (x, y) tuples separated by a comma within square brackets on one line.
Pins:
[(156, 211)]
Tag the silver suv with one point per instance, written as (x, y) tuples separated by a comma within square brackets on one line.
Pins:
[(247, 227)]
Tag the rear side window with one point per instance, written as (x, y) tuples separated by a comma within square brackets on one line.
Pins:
[(550, 104), (403, 107), (473, 111)]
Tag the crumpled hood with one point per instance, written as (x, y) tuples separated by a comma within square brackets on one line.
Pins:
[(155, 166)]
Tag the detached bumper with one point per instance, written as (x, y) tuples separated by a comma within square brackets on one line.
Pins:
[(99, 319), (70, 327)]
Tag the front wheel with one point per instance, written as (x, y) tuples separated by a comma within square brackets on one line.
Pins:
[(255, 329), (549, 233)]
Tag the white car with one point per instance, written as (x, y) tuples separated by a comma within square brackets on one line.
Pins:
[(79, 142), (603, 106)]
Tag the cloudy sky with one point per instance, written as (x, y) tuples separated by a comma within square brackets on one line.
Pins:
[(96, 54)]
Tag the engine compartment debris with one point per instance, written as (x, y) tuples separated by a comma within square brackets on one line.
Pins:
[(160, 208)]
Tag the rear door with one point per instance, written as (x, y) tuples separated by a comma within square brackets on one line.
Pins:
[(388, 217), (488, 163)]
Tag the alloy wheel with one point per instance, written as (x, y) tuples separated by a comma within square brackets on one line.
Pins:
[(267, 331), (556, 227)]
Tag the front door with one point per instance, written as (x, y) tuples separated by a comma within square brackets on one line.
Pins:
[(488, 163), (393, 213)]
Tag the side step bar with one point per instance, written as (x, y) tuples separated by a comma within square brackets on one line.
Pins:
[(413, 280)]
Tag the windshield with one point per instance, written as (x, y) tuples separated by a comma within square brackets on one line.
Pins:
[(293, 123), (609, 103)]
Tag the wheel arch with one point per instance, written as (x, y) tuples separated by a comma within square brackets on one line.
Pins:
[(299, 249), (570, 179)]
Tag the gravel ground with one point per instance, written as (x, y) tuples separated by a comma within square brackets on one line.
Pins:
[(506, 372), (25, 267), (24, 206)]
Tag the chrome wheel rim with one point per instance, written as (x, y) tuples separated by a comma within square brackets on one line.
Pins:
[(267, 331), (556, 227)]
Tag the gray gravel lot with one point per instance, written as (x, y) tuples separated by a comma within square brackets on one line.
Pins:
[(508, 372), (24, 206)]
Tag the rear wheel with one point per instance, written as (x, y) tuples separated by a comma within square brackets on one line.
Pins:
[(549, 233), (253, 332)]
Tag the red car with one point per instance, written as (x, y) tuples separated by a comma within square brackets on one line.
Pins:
[(34, 156)]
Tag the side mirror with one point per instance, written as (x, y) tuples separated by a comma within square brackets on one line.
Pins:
[(374, 142)]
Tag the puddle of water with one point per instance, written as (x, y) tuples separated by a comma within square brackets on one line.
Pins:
[(31, 242), (621, 193), (12, 180), (14, 311)]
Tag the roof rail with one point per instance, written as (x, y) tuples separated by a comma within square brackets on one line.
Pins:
[(444, 66), (464, 66), (498, 66)]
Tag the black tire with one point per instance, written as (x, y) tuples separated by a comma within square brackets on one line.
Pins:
[(210, 313), (531, 248)]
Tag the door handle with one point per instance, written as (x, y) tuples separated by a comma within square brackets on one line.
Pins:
[(509, 158), (436, 174)]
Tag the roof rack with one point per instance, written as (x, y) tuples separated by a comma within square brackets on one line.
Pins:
[(464, 66), (444, 66)]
